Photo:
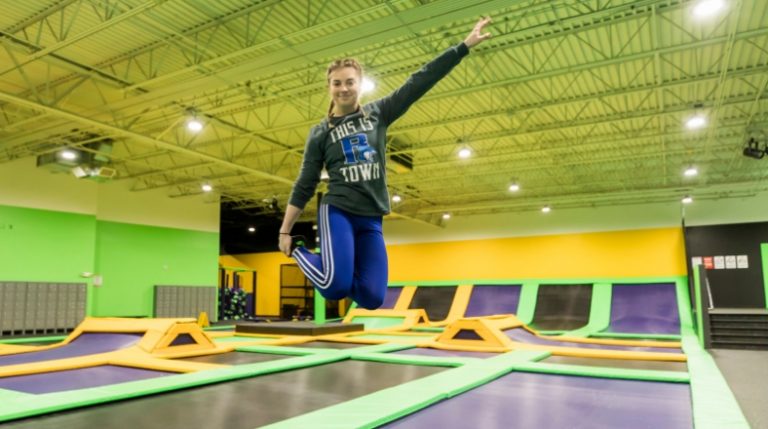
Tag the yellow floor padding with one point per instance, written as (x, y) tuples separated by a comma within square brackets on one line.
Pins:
[(488, 333), (155, 349), (410, 318)]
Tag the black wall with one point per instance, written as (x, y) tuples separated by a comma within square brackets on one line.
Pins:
[(234, 237), (731, 288)]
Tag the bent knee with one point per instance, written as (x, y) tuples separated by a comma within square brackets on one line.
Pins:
[(371, 302), (334, 291)]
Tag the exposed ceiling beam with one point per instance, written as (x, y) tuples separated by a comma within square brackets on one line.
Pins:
[(140, 138)]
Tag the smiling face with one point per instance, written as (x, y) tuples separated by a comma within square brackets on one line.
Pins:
[(344, 89)]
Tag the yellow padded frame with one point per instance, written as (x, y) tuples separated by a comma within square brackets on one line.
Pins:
[(405, 298), (394, 337), (99, 324), (458, 307), (491, 330), (410, 318), (151, 352)]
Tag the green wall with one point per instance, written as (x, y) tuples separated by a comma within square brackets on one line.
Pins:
[(133, 258), (45, 246), (50, 246)]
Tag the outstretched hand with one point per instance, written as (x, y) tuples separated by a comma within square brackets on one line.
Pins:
[(476, 35)]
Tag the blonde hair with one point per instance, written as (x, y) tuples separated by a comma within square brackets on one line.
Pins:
[(340, 64)]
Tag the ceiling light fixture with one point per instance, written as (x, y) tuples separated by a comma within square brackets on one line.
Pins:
[(514, 187), (707, 8), (546, 209), (194, 125), (687, 199), (446, 216), (695, 122), (396, 198), (691, 171), (465, 152), (68, 154), (206, 187), (367, 85)]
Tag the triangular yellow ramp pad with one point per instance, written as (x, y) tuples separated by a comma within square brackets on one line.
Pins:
[(181, 338), (479, 332), (202, 320)]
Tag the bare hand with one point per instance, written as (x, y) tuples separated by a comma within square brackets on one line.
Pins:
[(476, 35), (285, 244)]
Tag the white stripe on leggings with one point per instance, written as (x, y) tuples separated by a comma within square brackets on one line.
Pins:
[(320, 279)]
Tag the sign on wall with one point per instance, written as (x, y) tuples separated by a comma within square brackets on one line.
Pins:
[(720, 262)]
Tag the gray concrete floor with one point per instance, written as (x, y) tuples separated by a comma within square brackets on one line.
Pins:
[(746, 372)]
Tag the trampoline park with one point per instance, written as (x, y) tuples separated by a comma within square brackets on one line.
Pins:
[(501, 355), (576, 230)]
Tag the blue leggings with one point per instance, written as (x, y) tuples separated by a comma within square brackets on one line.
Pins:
[(352, 260)]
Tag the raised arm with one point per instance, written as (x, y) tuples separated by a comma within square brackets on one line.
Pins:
[(396, 104)]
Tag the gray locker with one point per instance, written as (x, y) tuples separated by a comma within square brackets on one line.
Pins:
[(184, 301), (28, 308)]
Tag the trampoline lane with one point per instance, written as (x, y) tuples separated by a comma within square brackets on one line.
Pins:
[(391, 297), (84, 344), (529, 400), (562, 307), (644, 309), (523, 336), (487, 300), (82, 378), (435, 300), (241, 404)]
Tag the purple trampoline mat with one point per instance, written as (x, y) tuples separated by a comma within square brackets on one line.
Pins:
[(644, 309), (84, 344), (493, 299), (390, 299), (423, 351), (60, 381), (523, 336), (528, 400)]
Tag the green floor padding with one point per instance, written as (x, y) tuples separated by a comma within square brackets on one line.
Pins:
[(390, 404), (378, 322), (385, 337), (31, 339)]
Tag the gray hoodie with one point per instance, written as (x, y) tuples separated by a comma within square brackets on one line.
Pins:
[(352, 148)]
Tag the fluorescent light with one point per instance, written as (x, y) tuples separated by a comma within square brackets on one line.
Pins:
[(691, 171), (206, 187), (367, 86), (396, 198), (707, 8), (696, 122), (514, 187), (446, 216), (68, 154), (546, 209), (194, 125), (465, 153), (687, 199)]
